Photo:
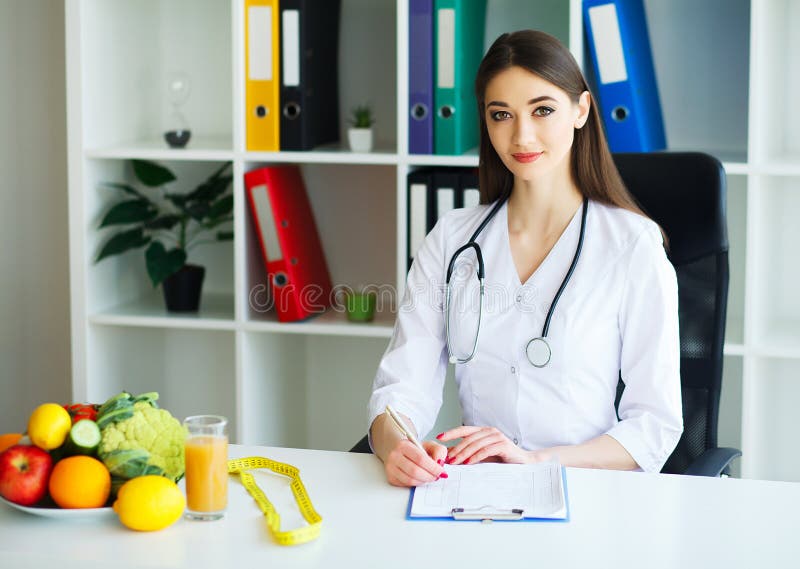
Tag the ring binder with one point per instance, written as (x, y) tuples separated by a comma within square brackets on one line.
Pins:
[(485, 513)]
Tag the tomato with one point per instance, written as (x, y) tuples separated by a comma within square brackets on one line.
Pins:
[(79, 411)]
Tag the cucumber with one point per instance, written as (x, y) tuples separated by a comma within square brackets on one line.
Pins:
[(83, 438)]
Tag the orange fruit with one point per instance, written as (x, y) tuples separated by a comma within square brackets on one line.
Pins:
[(80, 482), (9, 440)]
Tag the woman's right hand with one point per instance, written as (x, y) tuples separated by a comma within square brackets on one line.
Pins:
[(406, 465)]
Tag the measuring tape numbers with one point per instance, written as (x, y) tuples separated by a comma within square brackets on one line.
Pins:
[(297, 536)]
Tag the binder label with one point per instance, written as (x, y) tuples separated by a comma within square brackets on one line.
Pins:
[(472, 197), (608, 44), (291, 48), (419, 217), (445, 201), (259, 48), (266, 223), (446, 49)]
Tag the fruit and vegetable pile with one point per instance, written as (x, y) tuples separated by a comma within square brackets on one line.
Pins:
[(126, 452)]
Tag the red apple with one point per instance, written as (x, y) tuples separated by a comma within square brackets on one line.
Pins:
[(24, 473)]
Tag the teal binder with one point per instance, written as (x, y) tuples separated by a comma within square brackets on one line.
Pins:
[(458, 49)]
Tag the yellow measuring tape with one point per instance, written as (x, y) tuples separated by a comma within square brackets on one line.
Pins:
[(297, 536)]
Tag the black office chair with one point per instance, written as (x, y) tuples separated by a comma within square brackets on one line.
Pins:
[(685, 194)]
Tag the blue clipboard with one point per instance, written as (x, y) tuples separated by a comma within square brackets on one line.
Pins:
[(512, 516)]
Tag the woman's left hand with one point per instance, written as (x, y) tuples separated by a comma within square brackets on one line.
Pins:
[(480, 444)]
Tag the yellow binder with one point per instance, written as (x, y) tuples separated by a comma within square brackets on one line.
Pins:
[(262, 75)]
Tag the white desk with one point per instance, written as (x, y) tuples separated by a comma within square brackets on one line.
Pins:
[(618, 520)]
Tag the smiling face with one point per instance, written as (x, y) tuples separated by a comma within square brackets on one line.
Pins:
[(531, 123)]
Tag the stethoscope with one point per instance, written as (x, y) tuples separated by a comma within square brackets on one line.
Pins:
[(538, 349)]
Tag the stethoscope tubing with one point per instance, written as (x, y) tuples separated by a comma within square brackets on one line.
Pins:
[(472, 244)]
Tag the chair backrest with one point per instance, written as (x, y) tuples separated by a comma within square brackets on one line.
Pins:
[(685, 194)]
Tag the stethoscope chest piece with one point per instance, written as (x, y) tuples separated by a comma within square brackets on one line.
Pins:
[(538, 351)]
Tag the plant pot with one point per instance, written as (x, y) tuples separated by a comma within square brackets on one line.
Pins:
[(360, 139), (182, 289), (361, 306)]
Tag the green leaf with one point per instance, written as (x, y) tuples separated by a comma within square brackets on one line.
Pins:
[(162, 263), (225, 235), (178, 200), (219, 171), (212, 223), (166, 221), (210, 189), (128, 189), (131, 211), (221, 207), (123, 241), (151, 174), (198, 210)]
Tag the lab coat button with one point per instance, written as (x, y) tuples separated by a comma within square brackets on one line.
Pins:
[(516, 442), (519, 298), (513, 369)]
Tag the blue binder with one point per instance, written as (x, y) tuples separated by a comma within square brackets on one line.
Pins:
[(617, 39), (420, 77)]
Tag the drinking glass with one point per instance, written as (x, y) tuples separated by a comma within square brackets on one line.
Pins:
[(206, 467)]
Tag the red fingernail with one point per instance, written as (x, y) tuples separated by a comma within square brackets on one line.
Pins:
[(443, 475), (449, 460), (440, 462), (440, 435)]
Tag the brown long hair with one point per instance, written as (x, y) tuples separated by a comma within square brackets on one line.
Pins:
[(591, 165)]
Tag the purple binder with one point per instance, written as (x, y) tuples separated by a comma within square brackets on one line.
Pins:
[(420, 77)]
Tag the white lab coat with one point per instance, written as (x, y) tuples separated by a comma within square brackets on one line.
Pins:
[(619, 312)]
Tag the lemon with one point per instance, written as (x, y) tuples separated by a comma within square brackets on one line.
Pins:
[(49, 425), (149, 503)]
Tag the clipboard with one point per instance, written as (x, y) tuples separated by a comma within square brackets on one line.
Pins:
[(488, 513)]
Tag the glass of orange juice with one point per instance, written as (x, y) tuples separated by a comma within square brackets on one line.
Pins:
[(206, 467)]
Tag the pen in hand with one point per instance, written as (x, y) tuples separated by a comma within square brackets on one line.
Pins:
[(403, 428)]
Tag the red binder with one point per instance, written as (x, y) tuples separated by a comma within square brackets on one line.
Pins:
[(295, 262)]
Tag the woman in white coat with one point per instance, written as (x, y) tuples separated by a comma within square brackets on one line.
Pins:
[(564, 238)]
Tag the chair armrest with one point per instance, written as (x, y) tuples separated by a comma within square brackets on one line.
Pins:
[(712, 462)]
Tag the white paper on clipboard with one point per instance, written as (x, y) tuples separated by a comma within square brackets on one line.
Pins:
[(494, 491)]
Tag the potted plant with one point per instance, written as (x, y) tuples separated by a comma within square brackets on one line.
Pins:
[(360, 132), (170, 224)]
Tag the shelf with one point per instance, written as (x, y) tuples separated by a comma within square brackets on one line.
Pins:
[(216, 313), (780, 167), (213, 149), (726, 89), (734, 349), (331, 323), (470, 158), (781, 340), (332, 154)]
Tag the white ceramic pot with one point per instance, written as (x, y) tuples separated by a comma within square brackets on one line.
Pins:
[(360, 139)]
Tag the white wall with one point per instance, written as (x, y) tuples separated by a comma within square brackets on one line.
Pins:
[(34, 257)]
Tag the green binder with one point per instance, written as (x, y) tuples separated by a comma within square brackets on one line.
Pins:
[(458, 49)]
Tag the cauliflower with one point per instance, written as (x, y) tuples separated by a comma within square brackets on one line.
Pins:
[(138, 438)]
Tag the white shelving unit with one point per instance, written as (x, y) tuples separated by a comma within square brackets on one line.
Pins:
[(726, 87)]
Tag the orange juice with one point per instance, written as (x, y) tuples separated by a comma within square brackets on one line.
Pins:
[(206, 473)]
